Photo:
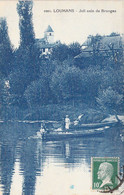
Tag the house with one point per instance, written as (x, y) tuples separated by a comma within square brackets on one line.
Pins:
[(104, 45), (46, 43)]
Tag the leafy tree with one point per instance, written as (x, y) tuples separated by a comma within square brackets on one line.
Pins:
[(60, 52), (24, 9), (47, 67), (38, 92), (112, 78), (91, 80), (18, 80), (26, 70), (66, 83), (115, 54), (26, 61), (6, 49), (95, 45), (110, 100), (74, 49), (63, 52), (5, 96), (91, 54)]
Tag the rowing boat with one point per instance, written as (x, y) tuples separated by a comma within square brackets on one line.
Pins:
[(59, 135), (93, 125)]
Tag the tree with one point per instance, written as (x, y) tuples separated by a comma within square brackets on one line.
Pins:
[(47, 67), (5, 97), (91, 80), (115, 53), (38, 92), (95, 45), (110, 100), (113, 79), (60, 52), (24, 9), (74, 49), (27, 57), (63, 52), (66, 83), (6, 49), (26, 62)]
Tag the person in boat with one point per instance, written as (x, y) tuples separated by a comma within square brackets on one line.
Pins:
[(78, 120), (67, 122), (42, 129), (41, 132)]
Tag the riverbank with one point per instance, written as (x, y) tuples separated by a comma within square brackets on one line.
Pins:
[(57, 112)]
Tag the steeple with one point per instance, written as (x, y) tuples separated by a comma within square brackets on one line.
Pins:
[(49, 29), (49, 35)]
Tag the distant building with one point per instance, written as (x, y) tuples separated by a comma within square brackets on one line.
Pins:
[(106, 44), (46, 43)]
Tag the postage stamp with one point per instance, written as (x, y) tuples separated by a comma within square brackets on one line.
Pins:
[(104, 172)]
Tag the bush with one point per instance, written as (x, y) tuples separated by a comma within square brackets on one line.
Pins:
[(110, 100), (38, 93), (112, 78), (90, 83), (66, 83)]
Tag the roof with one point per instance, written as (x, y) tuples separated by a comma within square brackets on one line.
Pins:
[(83, 55), (42, 43), (114, 42), (106, 43), (49, 29)]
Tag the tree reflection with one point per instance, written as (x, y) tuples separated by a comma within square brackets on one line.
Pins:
[(7, 161), (32, 159), (8, 141), (28, 166)]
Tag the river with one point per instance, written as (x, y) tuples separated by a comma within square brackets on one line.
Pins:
[(35, 167)]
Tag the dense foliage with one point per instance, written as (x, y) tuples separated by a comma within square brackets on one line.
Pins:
[(30, 80), (24, 9), (6, 49)]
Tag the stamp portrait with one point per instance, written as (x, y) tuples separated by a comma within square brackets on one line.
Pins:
[(104, 172)]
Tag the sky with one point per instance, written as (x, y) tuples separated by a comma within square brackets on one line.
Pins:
[(68, 27)]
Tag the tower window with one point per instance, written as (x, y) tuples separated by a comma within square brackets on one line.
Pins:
[(43, 49), (50, 34)]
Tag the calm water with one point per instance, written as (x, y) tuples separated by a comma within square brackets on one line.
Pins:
[(34, 167)]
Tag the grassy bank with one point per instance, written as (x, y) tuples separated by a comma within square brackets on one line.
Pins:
[(57, 112)]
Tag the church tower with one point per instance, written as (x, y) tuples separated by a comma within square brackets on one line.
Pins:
[(49, 35)]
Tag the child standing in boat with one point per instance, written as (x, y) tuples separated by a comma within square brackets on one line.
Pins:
[(67, 122)]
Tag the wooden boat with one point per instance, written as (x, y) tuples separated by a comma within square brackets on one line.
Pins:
[(93, 125), (56, 132), (59, 135), (76, 131)]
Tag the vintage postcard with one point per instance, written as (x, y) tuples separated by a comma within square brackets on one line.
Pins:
[(61, 97)]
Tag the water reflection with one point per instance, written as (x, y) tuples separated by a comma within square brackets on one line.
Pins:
[(31, 166), (67, 149), (7, 166)]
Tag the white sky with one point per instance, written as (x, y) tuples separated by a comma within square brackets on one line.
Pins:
[(68, 27)]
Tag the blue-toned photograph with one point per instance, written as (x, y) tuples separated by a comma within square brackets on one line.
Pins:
[(61, 97)]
